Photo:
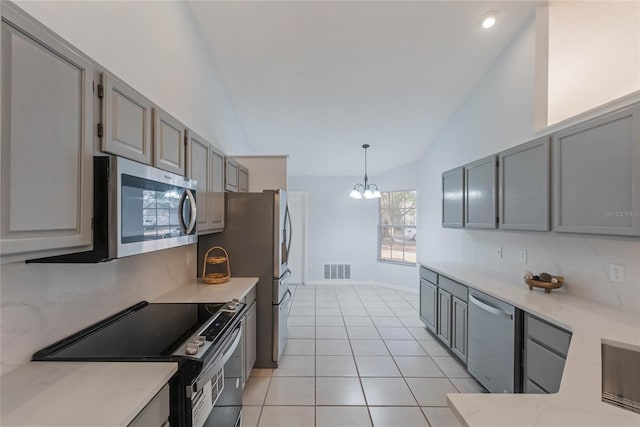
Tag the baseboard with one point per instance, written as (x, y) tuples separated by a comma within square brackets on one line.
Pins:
[(359, 283)]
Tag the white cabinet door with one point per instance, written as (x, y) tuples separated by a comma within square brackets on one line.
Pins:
[(126, 120), (597, 175), (168, 143), (216, 190), (46, 150)]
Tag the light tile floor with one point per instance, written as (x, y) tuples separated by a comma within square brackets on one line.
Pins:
[(357, 356)]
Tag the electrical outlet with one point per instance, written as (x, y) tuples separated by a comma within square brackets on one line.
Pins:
[(616, 273), (523, 255), (499, 252)]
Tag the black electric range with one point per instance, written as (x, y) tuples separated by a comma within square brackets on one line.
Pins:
[(199, 337)]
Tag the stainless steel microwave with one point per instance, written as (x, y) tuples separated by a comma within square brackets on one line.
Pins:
[(137, 209)]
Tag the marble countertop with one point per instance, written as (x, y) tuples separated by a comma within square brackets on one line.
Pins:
[(578, 402), (236, 287), (80, 393)]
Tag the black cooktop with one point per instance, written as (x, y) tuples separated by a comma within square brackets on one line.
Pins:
[(141, 331)]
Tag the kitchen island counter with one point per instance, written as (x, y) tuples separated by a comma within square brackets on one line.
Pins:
[(578, 402), (80, 394), (197, 291)]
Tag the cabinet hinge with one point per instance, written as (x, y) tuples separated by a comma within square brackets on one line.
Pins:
[(100, 91), (100, 130)]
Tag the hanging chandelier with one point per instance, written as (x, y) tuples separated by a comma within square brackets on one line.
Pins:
[(366, 190)]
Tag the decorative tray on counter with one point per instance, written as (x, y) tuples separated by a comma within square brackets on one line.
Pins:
[(547, 286)]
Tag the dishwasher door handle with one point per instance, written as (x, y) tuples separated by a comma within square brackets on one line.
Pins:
[(489, 308)]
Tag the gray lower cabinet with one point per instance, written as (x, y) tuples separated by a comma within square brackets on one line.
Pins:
[(545, 351), (250, 339), (126, 120), (524, 186), (46, 141), (597, 175), (452, 198), (459, 327), (444, 316), (443, 309), (156, 413), (480, 193), (428, 304), (231, 181), (243, 179), (168, 143), (250, 335), (216, 190)]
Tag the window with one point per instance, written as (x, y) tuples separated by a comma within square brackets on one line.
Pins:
[(397, 227)]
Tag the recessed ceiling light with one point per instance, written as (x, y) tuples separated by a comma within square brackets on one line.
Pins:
[(489, 20)]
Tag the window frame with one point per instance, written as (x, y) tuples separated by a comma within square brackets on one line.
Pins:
[(380, 227)]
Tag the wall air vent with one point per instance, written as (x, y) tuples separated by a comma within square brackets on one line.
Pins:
[(337, 271)]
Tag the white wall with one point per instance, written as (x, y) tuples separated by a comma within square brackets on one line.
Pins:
[(156, 48), (498, 114), (594, 54), (343, 230)]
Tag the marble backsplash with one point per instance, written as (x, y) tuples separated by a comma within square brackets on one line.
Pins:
[(43, 303)]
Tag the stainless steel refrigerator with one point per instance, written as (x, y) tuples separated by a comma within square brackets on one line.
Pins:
[(257, 236)]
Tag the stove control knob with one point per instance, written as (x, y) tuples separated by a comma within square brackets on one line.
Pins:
[(199, 341), (192, 348)]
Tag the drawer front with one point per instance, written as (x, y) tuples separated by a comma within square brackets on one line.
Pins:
[(429, 275), (548, 335), (532, 388), (454, 288), (544, 367), (156, 412)]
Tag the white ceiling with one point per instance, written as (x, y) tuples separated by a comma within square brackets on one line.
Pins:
[(317, 79)]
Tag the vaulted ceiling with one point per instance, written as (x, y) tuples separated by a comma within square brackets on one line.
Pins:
[(317, 79)]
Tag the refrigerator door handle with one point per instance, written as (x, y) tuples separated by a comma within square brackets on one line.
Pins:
[(288, 220)]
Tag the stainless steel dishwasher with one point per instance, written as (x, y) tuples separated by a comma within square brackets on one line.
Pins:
[(494, 339)]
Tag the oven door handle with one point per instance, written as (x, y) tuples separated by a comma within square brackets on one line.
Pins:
[(212, 371)]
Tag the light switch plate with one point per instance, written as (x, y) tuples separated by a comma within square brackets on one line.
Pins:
[(523, 255), (499, 252), (616, 273)]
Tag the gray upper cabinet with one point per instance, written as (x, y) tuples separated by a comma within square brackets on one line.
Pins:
[(200, 170), (216, 190), (231, 175), (46, 148), (206, 165), (480, 198), (597, 175), (243, 179), (126, 120), (168, 143), (452, 198), (524, 179)]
